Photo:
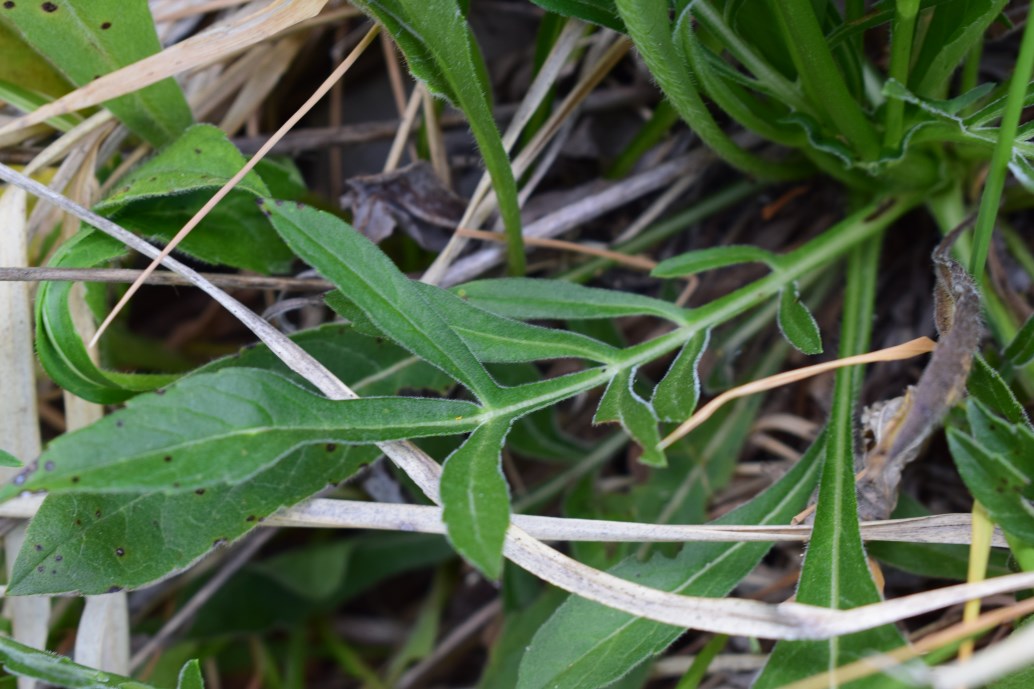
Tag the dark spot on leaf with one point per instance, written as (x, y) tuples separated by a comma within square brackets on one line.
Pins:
[(279, 202), (330, 447), (197, 151), (120, 551), (75, 479), (78, 522), (41, 569), (8, 5), (48, 466), (154, 523), (167, 458), (153, 179), (200, 491), (53, 571), (59, 558), (105, 26), (175, 484), (114, 589), (159, 391), (48, 7), (38, 547), (250, 518), (119, 423), (97, 514)]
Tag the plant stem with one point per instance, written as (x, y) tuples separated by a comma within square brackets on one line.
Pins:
[(1002, 153), (822, 80), (900, 57)]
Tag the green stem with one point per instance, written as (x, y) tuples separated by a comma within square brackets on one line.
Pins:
[(900, 57), (823, 83), (696, 671), (1002, 153)]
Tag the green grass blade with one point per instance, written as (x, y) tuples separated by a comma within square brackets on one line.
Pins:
[(586, 645), (85, 40), (59, 671)]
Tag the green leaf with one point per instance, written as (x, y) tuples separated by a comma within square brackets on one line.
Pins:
[(440, 49), (184, 438), (476, 499), (620, 403), (159, 196), (527, 299), (94, 543), (9, 460), (1021, 350), (60, 348), (494, 338), (86, 40), (190, 676), (60, 671), (586, 645), (602, 12), (953, 30), (988, 386), (796, 323), (392, 302), (996, 461), (676, 396), (701, 260), (23, 67)]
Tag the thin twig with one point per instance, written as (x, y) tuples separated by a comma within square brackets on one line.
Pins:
[(127, 275)]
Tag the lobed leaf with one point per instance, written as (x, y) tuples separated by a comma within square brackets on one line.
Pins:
[(223, 427), (676, 396), (585, 645), (702, 260), (85, 40), (527, 299), (620, 403), (476, 499), (390, 300), (796, 323)]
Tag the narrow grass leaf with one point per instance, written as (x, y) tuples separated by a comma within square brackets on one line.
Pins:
[(223, 427), (86, 40), (163, 193), (620, 403), (94, 543), (675, 397), (586, 645), (527, 299), (996, 461), (476, 499), (953, 30), (58, 670), (796, 323), (1021, 350), (441, 50), (602, 12), (701, 260), (392, 302)]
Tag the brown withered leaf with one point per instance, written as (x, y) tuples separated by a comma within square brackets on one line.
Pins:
[(905, 428), (412, 198)]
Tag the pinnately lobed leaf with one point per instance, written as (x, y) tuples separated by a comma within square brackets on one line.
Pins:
[(88, 39), (223, 427), (585, 645), (476, 499)]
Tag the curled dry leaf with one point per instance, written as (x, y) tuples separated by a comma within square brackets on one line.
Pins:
[(413, 198)]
